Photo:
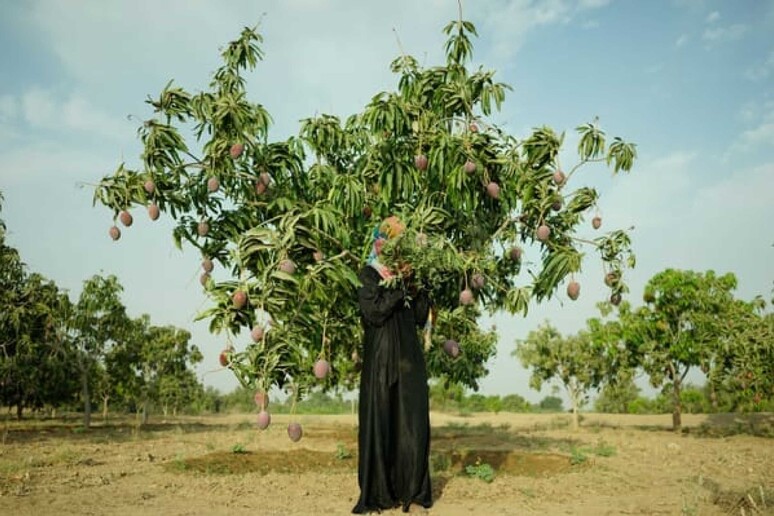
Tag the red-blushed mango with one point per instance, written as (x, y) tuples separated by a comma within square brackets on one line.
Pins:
[(321, 369), (452, 348), (543, 233), (126, 218), (596, 222), (615, 299), (469, 166), (150, 187), (287, 266), (493, 190), (295, 432), (478, 281), (236, 150), (318, 256), (204, 278), (260, 187), (611, 278), (256, 333), (223, 358), (203, 228), (153, 211), (207, 265), (213, 184), (421, 162), (573, 290), (559, 177), (473, 128), (515, 254), (239, 299), (264, 419), (265, 178), (114, 232), (466, 297)]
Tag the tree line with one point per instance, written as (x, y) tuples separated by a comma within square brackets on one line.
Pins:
[(58, 352), (688, 321)]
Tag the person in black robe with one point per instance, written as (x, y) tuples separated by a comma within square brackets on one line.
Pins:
[(394, 422)]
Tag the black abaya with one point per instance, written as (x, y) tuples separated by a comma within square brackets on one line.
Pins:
[(394, 431)]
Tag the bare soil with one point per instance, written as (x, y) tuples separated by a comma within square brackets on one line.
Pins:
[(615, 464)]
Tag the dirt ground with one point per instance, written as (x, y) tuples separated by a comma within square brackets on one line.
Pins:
[(223, 465)]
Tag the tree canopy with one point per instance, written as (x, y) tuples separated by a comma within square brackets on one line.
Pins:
[(291, 221)]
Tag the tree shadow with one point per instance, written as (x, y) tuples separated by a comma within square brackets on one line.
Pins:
[(119, 431)]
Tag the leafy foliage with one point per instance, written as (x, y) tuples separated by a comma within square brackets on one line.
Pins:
[(692, 319), (292, 220), (574, 361)]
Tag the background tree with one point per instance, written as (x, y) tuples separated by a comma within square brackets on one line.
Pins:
[(617, 397), (741, 358), (573, 361), (158, 359), (292, 220), (96, 322), (552, 404), (678, 326), (34, 351)]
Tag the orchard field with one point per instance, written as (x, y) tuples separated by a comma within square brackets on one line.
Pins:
[(220, 464)]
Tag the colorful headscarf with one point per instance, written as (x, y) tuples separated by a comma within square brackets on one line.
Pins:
[(379, 238), (388, 228)]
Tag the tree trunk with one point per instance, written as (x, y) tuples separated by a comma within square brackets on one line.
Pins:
[(144, 412), (19, 410), (86, 398), (677, 408), (105, 408)]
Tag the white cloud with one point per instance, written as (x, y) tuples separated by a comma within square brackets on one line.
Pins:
[(724, 34), (712, 17), (590, 24), (509, 22), (682, 40), (40, 108)]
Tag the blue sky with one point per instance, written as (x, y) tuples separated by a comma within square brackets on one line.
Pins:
[(690, 81)]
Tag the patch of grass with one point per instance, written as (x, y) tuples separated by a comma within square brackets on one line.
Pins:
[(179, 463), (238, 448), (577, 456), (440, 463), (481, 471), (529, 493), (342, 452), (603, 449)]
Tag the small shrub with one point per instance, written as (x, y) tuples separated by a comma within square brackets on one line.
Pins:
[(238, 448), (440, 462), (342, 452), (480, 470), (577, 456)]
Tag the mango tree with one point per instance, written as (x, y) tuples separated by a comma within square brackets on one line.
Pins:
[(152, 364), (494, 222), (34, 351), (677, 329), (96, 323), (573, 361), (741, 359)]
